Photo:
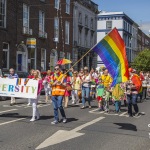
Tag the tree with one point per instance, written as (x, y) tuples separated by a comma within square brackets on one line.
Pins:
[(142, 61)]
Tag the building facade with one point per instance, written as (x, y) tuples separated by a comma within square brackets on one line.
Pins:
[(127, 28), (84, 32), (35, 34)]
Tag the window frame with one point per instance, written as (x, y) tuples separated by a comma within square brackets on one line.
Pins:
[(57, 4), (6, 50), (42, 23), (28, 15), (67, 29), (68, 6), (3, 21), (55, 27), (43, 60)]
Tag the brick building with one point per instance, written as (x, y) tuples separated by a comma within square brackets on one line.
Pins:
[(35, 34)]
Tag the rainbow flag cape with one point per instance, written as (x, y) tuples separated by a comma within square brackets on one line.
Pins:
[(112, 51)]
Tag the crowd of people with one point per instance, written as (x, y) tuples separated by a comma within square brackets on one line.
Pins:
[(84, 86)]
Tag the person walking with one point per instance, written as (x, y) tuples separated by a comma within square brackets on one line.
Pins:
[(76, 84), (133, 87), (34, 102), (68, 90), (46, 84), (31, 76), (86, 86), (12, 75), (58, 85)]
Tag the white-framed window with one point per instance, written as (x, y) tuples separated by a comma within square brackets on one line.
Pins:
[(3, 13), (25, 15), (5, 56), (56, 28), (68, 6), (57, 4), (41, 22), (108, 24), (43, 59), (68, 57), (67, 28), (86, 20)]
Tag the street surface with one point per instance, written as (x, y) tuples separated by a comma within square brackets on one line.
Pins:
[(86, 129)]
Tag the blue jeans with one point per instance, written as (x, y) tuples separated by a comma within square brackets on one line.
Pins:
[(132, 100), (85, 95), (57, 104), (117, 105)]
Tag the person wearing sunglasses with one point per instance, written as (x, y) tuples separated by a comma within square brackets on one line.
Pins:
[(86, 79), (58, 84), (12, 75)]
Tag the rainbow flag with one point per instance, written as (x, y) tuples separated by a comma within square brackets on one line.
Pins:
[(112, 51)]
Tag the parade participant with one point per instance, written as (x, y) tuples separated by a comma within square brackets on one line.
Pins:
[(12, 75), (76, 84), (34, 102), (81, 73), (144, 86), (107, 80), (31, 76), (68, 88), (46, 84), (86, 86), (118, 92), (132, 89), (58, 85), (100, 94)]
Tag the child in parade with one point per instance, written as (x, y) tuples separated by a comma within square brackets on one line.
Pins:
[(46, 84), (76, 84), (34, 102), (117, 95), (100, 93)]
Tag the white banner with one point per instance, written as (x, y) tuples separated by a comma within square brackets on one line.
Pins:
[(23, 88)]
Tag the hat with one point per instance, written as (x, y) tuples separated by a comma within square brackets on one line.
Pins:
[(132, 70)]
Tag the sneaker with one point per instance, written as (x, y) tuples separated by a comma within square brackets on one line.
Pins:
[(32, 119), (136, 114), (130, 115), (90, 107), (29, 104), (82, 107), (54, 122), (64, 120), (38, 117)]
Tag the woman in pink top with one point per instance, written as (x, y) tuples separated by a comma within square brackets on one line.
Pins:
[(34, 102)]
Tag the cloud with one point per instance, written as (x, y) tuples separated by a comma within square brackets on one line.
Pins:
[(145, 27)]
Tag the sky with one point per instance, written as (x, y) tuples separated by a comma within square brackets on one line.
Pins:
[(137, 10)]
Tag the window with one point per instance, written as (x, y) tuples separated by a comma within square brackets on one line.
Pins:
[(57, 4), (3, 13), (86, 20), (67, 28), (43, 59), (25, 16), (92, 23), (79, 36), (61, 55), (92, 39), (41, 23), (68, 6), (5, 57), (86, 38), (108, 24), (56, 28), (80, 18)]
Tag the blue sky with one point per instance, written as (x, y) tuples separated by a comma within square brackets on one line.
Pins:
[(138, 10)]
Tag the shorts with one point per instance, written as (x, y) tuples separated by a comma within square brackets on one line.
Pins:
[(99, 98)]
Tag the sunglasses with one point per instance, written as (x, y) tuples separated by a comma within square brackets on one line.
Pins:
[(56, 68)]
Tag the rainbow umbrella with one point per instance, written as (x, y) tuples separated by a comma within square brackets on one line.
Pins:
[(64, 61)]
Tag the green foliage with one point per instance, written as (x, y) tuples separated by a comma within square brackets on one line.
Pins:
[(142, 61)]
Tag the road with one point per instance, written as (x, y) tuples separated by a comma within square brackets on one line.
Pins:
[(86, 129)]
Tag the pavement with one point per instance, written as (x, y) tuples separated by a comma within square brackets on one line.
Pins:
[(86, 129)]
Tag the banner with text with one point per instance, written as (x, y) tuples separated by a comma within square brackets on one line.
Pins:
[(23, 88)]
